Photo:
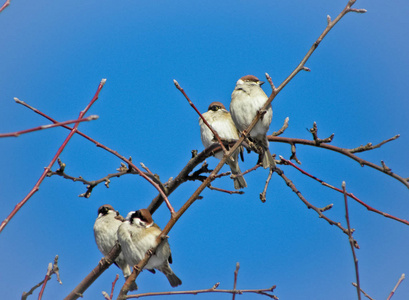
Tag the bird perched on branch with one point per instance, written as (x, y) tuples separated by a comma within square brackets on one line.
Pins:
[(220, 120), (246, 100), (137, 235), (105, 233)]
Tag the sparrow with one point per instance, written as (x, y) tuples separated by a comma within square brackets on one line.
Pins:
[(105, 232), (220, 119), (246, 100), (137, 235)]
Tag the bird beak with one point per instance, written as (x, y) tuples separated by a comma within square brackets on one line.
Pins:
[(261, 83)]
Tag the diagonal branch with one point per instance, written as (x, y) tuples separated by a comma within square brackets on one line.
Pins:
[(7, 3), (396, 286), (309, 205), (363, 292), (352, 242)]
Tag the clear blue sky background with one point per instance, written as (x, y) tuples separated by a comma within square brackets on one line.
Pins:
[(53, 55)]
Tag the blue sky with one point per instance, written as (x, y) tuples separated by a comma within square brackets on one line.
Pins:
[(54, 54)]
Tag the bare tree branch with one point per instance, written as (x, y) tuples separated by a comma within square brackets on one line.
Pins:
[(48, 168), (396, 286), (370, 147), (309, 205), (343, 151), (52, 269), (352, 242), (263, 292), (110, 297), (318, 141), (236, 273), (263, 194), (362, 291), (38, 128), (47, 277), (234, 291), (7, 3), (123, 170), (282, 129)]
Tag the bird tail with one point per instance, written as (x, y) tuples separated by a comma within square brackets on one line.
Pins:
[(172, 278), (239, 181), (268, 160)]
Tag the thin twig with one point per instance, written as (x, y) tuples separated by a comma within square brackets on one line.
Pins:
[(113, 285), (90, 184), (236, 273), (7, 3), (363, 292), (48, 168), (330, 25), (247, 171), (38, 128), (351, 241), (54, 270), (402, 277), (343, 151), (263, 194), (110, 297), (283, 128), (309, 205), (225, 191), (201, 116), (318, 141), (264, 292), (47, 277), (370, 147), (26, 294), (294, 154), (270, 81)]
